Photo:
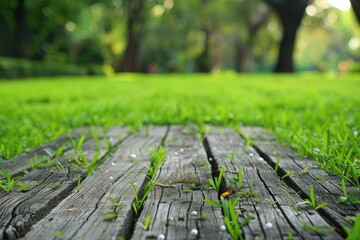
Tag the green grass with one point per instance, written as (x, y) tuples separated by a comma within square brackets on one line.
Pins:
[(319, 114)]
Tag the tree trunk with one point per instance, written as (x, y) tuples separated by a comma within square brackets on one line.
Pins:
[(131, 56), (19, 17), (243, 58), (356, 7), (285, 62), (135, 22), (203, 60), (291, 13)]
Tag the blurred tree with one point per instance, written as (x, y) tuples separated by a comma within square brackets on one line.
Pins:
[(29, 26), (290, 13), (356, 7), (52, 30), (250, 16), (173, 36), (223, 24), (201, 35), (325, 37), (12, 25), (202, 61), (19, 16), (181, 34), (169, 35), (135, 10)]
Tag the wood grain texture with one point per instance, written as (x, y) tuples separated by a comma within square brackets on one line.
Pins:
[(20, 164), (306, 172), (179, 211), (270, 200), (19, 211), (176, 204), (81, 214)]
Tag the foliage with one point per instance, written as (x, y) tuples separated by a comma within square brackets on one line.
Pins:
[(217, 181), (354, 233), (80, 160), (348, 198), (158, 156), (139, 200), (146, 224), (118, 206), (237, 181), (231, 216), (312, 200), (8, 183), (241, 35), (15, 68), (276, 167)]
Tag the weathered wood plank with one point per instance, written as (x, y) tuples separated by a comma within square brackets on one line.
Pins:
[(329, 181), (175, 212), (19, 164), (81, 214), (19, 211), (90, 147), (274, 204), (257, 134), (305, 173)]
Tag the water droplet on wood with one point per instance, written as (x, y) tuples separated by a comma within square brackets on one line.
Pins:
[(193, 213), (268, 225), (161, 237), (194, 232)]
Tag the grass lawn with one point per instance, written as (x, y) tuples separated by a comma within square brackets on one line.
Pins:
[(319, 114)]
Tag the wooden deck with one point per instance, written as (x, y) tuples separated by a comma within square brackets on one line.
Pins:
[(55, 206)]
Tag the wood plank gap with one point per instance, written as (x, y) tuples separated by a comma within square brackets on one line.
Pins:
[(132, 215), (215, 170), (329, 182), (275, 202), (329, 217), (334, 213), (176, 210)]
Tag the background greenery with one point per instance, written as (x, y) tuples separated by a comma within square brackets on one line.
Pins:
[(318, 114), (174, 36)]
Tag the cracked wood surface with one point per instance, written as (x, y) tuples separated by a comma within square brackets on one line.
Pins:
[(77, 212), (270, 200), (19, 164), (81, 214), (305, 172), (20, 210), (178, 211)]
